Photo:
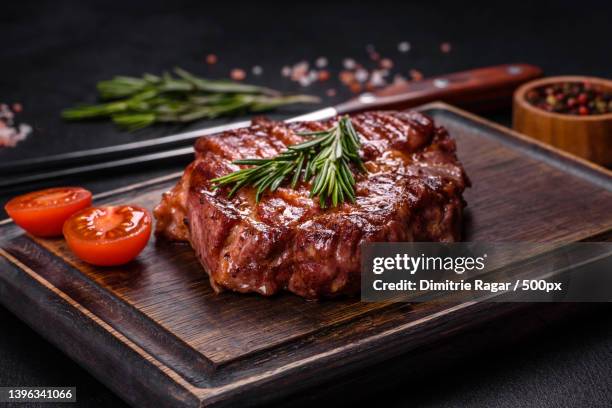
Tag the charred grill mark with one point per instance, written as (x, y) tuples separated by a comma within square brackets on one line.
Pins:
[(286, 242)]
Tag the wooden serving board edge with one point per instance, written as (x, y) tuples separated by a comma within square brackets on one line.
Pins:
[(59, 318), (53, 322), (55, 315), (573, 164)]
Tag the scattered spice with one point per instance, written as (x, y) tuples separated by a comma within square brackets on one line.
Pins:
[(377, 79), (374, 56), (373, 73), (445, 47), (347, 77), (303, 75), (355, 87), (299, 70), (349, 63), (403, 47), (321, 62), (571, 98), (323, 75), (331, 92), (211, 59), (306, 80), (416, 75), (361, 75), (386, 63), (11, 131), (237, 74)]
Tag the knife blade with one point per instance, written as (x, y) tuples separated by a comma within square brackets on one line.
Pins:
[(468, 88)]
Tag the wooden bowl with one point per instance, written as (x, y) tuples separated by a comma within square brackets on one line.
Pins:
[(585, 136)]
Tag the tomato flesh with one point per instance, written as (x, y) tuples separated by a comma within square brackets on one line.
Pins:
[(42, 213), (108, 236)]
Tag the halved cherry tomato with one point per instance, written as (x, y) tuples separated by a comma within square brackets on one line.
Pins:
[(43, 212), (108, 236)]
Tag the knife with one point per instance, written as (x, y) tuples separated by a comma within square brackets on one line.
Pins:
[(478, 89)]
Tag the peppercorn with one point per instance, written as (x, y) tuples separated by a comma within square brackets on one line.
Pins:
[(575, 98)]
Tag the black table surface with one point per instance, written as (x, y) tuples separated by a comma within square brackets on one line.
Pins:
[(54, 52)]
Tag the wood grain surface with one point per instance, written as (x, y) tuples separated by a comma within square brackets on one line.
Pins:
[(156, 333)]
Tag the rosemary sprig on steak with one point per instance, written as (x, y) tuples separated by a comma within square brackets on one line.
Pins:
[(135, 103), (325, 159)]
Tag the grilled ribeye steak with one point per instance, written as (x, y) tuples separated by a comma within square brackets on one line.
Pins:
[(411, 192)]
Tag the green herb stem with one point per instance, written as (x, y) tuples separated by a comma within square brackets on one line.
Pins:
[(323, 160), (134, 103)]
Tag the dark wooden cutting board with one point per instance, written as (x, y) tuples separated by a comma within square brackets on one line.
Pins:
[(156, 333)]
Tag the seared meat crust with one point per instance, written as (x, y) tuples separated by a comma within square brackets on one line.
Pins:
[(412, 192)]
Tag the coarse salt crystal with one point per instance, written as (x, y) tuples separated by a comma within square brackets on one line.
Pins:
[(237, 74), (321, 62), (361, 75), (286, 71), (349, 63), (6, 114), (11, 134), (299, 70), (304, 81), (257, 70), (376, 79), (403, 47), (386, 63)]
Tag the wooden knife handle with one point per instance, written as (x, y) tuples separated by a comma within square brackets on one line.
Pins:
[(477, 89)]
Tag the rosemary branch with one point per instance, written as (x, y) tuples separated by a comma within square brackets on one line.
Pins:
[(324, 160), (134, 103)]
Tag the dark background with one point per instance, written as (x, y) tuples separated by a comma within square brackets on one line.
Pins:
[(53, 53)]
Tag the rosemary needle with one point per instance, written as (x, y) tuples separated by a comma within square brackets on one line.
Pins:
[(324, 160)]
